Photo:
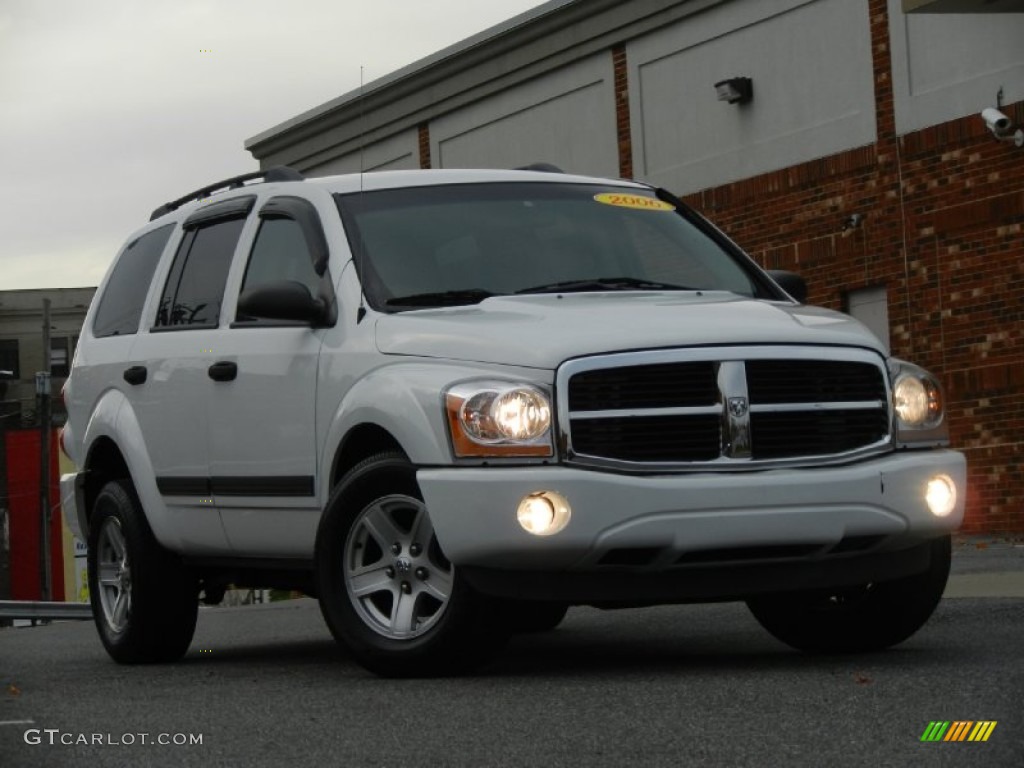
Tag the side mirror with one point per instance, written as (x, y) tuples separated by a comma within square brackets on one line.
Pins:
[(282, 300), (791, 283)]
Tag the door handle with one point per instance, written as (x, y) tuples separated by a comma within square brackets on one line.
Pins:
[(135, 375), (223, 371)]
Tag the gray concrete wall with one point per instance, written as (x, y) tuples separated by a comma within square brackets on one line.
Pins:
[(950, 65), (539, 87), (565, 117), (810, 61), (395, 153)]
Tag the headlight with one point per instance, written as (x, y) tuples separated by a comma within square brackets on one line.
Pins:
[(494, 418), (917, 400), (918, 404)]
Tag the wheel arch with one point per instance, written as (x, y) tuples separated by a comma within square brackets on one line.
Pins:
[(395, 408), (104, 463), (360, 443), (115, 450)]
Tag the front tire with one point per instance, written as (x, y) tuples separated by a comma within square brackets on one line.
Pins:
[(144, 601), (386, 590), (857, 619)]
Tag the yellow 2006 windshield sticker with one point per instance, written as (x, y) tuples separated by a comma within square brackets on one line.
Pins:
[(633, 201)]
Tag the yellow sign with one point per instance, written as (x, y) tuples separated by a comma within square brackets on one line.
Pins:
[(638, 202)]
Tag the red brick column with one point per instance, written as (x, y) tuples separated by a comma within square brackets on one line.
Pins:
[(622, 126), (424, 144)]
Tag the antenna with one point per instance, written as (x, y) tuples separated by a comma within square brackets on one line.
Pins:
[(362, 128), (361, 311)]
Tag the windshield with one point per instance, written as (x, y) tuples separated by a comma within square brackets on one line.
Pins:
[(458, 244)]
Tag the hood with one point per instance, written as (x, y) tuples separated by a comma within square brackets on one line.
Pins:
[(542, 331)]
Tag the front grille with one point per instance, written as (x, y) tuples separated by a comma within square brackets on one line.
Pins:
[(734, 406), (649, 438)]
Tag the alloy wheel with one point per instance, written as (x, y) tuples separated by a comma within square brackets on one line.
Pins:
[(395, 573)]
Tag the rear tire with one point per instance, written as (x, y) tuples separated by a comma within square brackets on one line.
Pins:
[(386, 590), (144, 601), (856, 619)]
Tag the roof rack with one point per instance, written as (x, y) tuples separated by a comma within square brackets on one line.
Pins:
[(543, 167), (277, 173)]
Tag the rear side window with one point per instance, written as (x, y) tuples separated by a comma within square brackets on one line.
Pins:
[(195, 286), (120, 308)]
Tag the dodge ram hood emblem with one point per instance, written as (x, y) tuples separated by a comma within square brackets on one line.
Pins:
[(738, 406)]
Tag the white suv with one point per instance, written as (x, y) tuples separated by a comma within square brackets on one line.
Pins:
[(451, 404)]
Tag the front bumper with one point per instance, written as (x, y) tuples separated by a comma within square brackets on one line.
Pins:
[(653, 523)]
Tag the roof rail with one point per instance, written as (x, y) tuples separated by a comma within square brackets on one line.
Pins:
[(543, 167), (277, 173)]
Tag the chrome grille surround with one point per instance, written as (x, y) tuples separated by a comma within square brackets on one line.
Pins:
[(698, 409)]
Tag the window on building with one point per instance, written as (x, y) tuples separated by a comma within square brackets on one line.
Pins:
[(871, 307), (195, 286), (9, 358), (59, 360), (121, 306)]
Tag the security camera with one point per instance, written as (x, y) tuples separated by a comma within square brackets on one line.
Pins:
[(1000, 125)]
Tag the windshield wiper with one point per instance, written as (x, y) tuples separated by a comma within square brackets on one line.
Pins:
[(605, 284), (442, 298)]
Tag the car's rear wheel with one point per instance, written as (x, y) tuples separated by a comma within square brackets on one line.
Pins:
[(387, 591), (144, 601), (869, 617)]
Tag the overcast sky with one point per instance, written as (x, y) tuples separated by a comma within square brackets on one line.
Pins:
[(109, 108)]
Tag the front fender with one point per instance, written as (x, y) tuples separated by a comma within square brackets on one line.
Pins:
[(406, 400)]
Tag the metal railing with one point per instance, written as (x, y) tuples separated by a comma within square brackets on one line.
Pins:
[(26, 609)]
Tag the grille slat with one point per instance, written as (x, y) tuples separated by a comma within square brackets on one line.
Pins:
[(812, 381), (678, 438), (774, 435), (832, 407), (645, 386)]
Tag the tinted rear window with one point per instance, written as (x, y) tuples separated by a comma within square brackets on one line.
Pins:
[(120, 308)]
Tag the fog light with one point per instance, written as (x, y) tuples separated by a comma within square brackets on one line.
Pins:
[(544, 513), (941, 495)]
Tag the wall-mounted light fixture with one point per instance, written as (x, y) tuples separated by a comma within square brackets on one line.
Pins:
[(735, 90), (852, 222)]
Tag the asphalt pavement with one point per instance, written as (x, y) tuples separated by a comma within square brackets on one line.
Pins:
[(677, 686)]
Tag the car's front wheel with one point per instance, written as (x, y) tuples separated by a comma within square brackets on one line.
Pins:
[(854, 619), (144, 601), (386, 590)]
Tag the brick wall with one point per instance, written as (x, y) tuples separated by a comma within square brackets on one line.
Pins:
[(943, 231)]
